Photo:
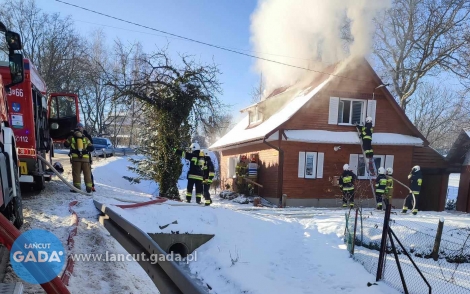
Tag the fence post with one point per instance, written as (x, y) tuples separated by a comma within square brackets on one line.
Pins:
[(437, 241), (354, 237), (383, 242)]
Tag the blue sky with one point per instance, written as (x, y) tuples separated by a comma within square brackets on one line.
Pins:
[(225, 23)]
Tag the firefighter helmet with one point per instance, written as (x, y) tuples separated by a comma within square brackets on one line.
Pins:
[(381, 170), (368, 119), (80, 125), (206, 152), (415, 168), (389, 171), (346, 167), (195, 146)]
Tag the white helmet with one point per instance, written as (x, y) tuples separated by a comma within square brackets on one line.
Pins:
[(206, 152), (389, 171), (346, 167), (368, 119), (381, 170), (195, 146), (415, 168)]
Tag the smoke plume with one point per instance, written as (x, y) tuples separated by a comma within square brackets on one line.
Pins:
[(310, 33)]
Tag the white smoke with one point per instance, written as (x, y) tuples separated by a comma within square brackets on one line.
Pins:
[(298, 32)]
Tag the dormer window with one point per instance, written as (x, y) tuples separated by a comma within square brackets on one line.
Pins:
[(255, 116)]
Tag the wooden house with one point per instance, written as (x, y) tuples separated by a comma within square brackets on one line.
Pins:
[(303, 135)]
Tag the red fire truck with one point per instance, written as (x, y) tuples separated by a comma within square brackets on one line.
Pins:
[(10, 194), (34, 131)]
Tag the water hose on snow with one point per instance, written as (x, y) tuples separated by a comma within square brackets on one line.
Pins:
[(62, 178), (411, 192)]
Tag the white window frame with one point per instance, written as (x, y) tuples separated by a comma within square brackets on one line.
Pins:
[(366, 176), (363, 110), (318, 164), (257, 116)]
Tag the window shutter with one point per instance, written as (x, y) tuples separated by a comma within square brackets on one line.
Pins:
[(333, 114), (320, 159), (371, 106), (313, 170), (389, 161), (353, 162), (301, 164)]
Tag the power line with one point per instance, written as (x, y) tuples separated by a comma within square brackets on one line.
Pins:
[(177, 38), (205, 43)]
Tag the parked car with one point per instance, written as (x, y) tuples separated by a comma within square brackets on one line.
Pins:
[(103, 146)]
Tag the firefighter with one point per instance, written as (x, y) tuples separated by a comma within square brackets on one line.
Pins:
[(241, 171), (209, 174), (196, 171), (80, 148), (389, 187), (366, 136), (380, 185), (416, 179), (346, 184), (81, 128)]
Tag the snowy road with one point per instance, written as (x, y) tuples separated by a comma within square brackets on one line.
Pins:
[(262, 250)]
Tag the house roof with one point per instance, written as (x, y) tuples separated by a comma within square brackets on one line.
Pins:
[(299, 97), (240, 134), (320, 136)]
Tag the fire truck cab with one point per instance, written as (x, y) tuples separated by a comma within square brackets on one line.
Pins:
[(28, 115)]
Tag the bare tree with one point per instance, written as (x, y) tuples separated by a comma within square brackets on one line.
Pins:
[(257, 92), (178, 99), (50, 42), (416, 38), (439, 114)]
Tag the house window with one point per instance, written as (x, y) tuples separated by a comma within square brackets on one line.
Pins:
[(231, 166), (363, 169), (351, 111), (310, 165), (255, 116)]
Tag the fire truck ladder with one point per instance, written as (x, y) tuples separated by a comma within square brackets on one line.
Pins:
[(370, 167)]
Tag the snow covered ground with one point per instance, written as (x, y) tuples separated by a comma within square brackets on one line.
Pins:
[(255, 250)]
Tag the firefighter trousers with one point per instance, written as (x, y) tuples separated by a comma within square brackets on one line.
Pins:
[(207, 194), (367, 146), (379, 197), (348, 195), (189, 190), (79, 166)]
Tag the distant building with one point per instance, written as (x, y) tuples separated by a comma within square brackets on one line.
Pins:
[(122, 129)]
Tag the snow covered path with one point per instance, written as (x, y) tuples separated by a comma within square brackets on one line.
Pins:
[(255, 250)]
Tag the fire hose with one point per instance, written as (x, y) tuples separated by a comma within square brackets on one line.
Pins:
[(408, 188), (62, 178)]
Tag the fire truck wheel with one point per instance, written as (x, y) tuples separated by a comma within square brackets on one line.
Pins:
[(39, 183), (18, 203)]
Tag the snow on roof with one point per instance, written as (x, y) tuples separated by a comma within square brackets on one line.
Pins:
[(240, 133), (319, 136)]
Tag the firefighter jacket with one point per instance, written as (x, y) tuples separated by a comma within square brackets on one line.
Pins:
[(366, 131), (389, 188), (196, 163), (77, 141), (346, 181), (209, 172), (416, 179), (380, 184)]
